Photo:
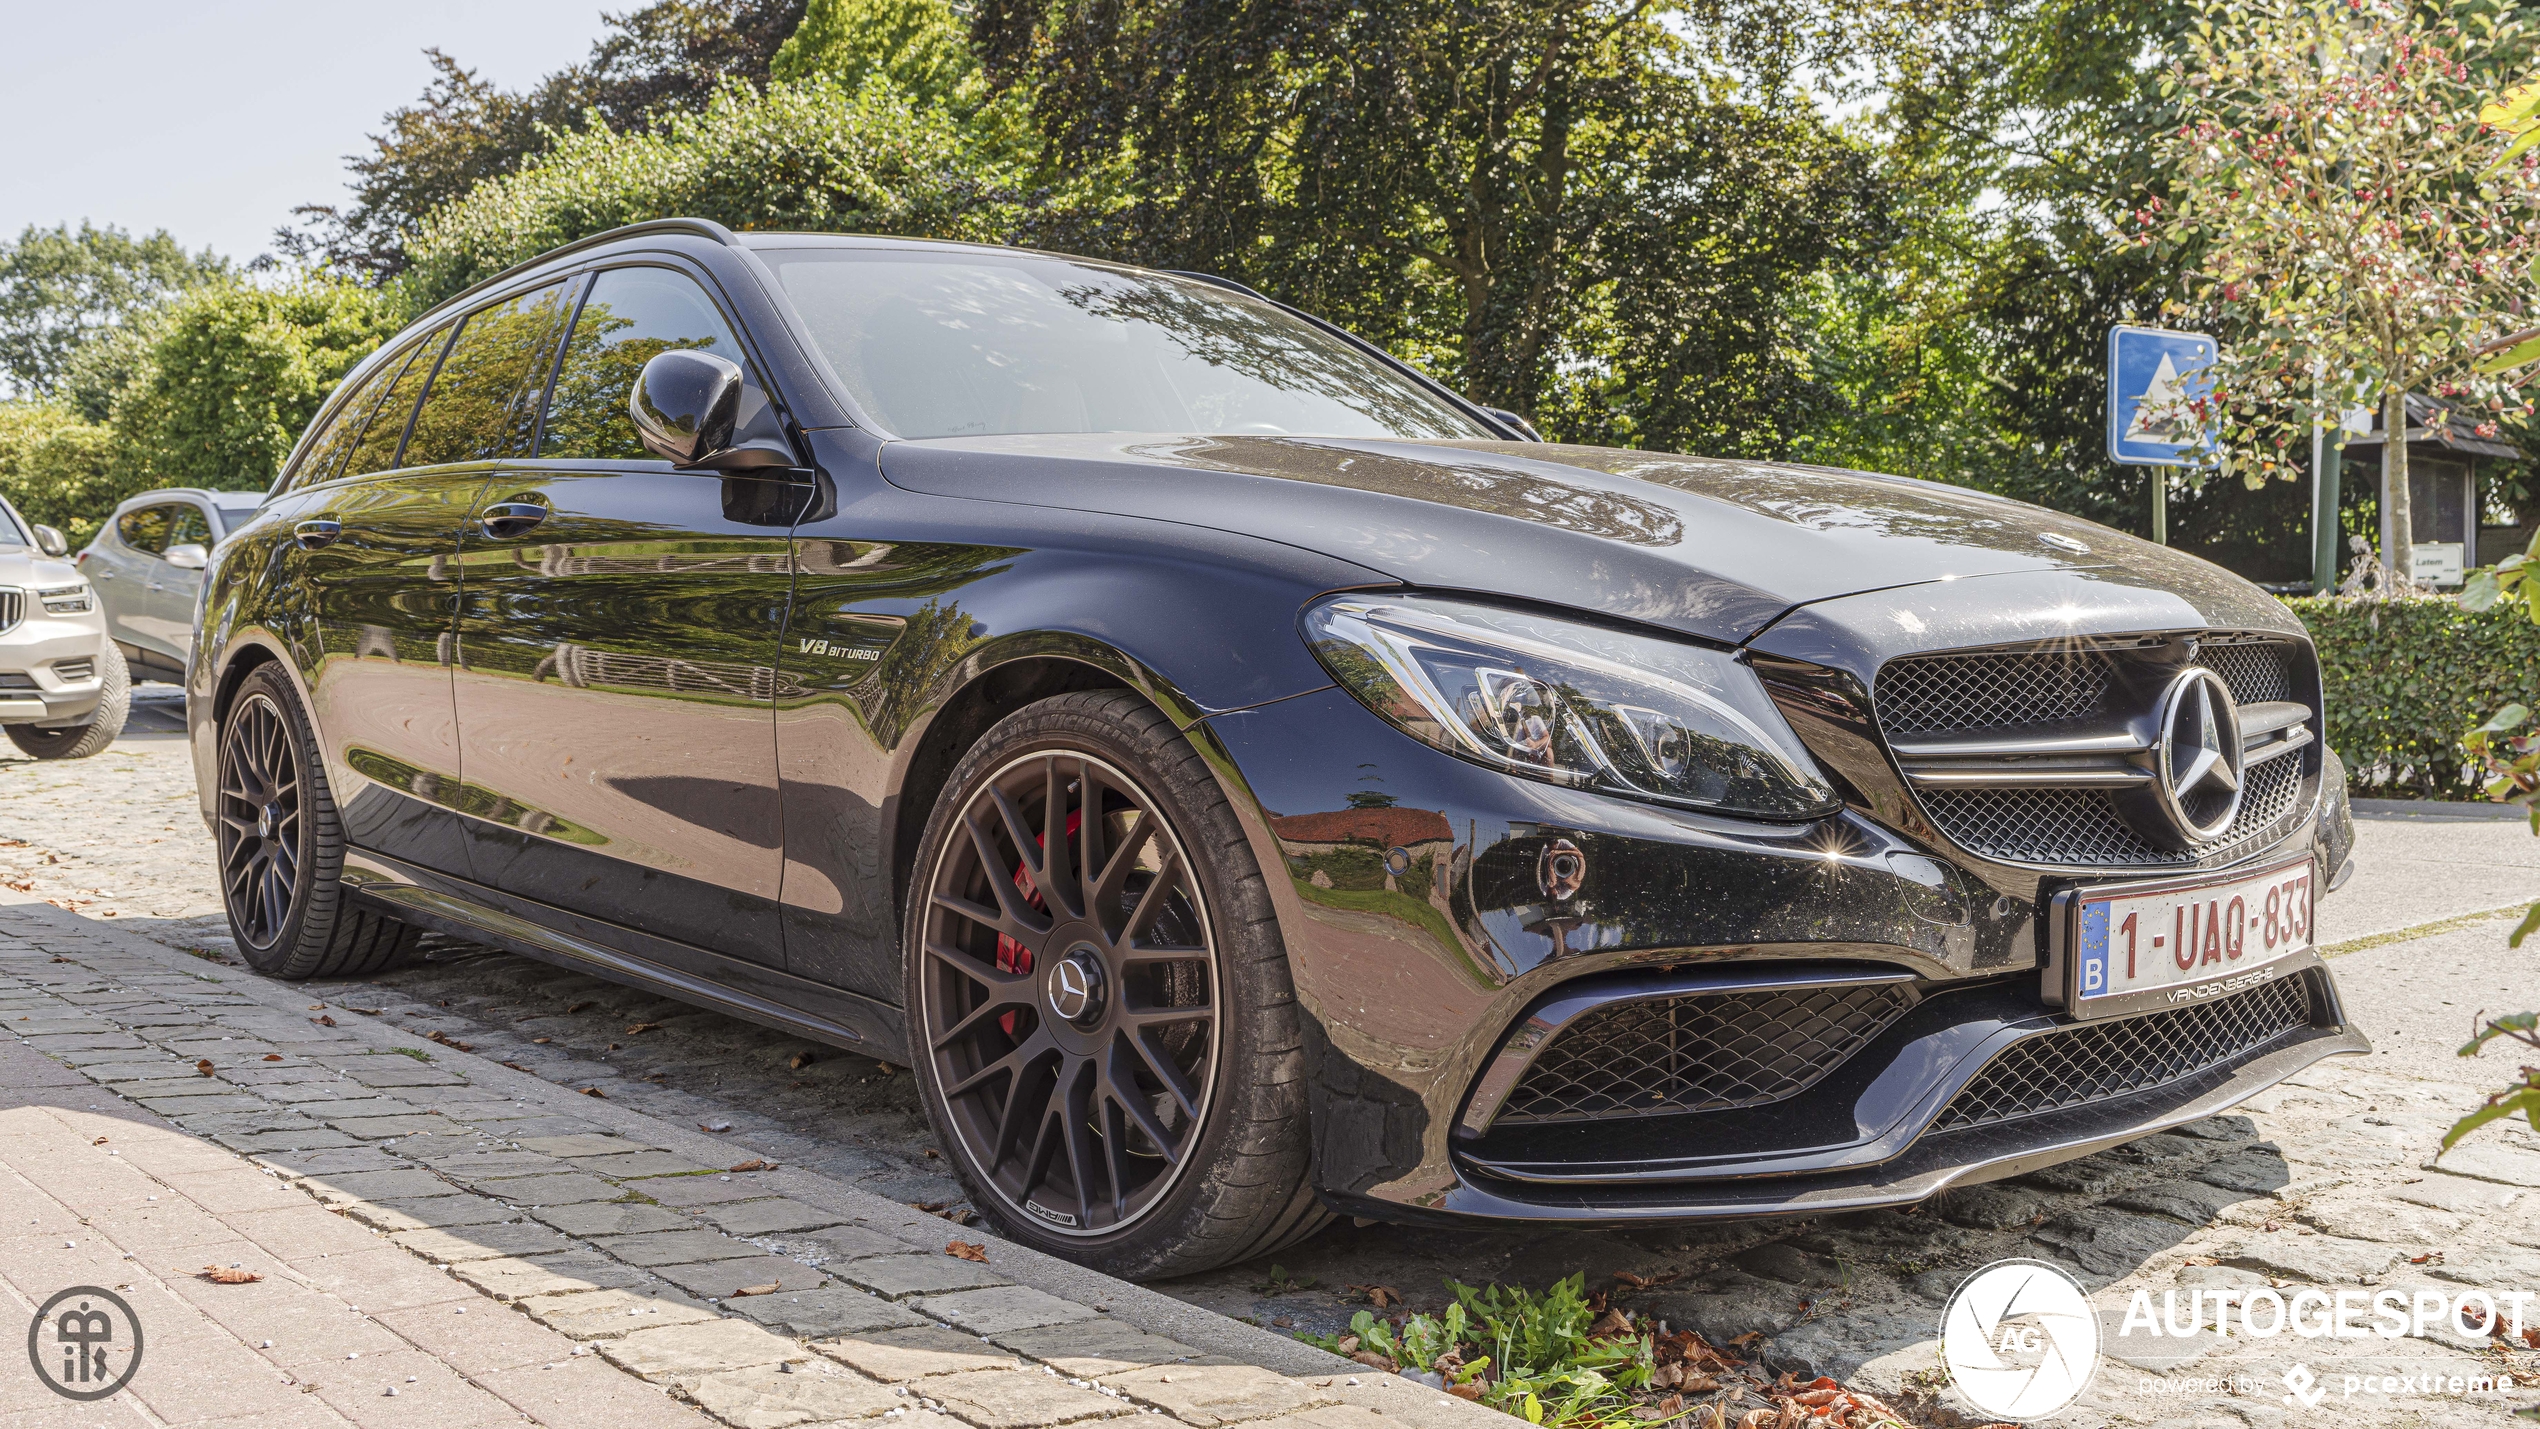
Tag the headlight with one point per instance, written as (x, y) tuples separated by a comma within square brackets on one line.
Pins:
[(1571, 703), (67, 599)]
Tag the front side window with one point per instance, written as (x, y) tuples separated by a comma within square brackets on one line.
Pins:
[(632, 314), (377, 448), (483, 403), (187, 525), (934, 344)]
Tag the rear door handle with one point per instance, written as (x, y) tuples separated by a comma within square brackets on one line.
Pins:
[(313, 534), (511, 518)]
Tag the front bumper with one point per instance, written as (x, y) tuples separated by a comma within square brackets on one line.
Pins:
[(1423, 936), (33, 651)]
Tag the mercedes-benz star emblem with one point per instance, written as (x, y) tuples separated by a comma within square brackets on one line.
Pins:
[(1075, 986), (2199, 764)]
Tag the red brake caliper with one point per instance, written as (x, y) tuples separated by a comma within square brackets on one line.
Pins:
[(1013, 957)]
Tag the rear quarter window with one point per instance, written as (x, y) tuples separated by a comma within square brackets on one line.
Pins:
[(483, 403)]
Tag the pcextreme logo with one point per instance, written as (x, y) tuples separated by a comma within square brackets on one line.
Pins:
[(2020, 1339)]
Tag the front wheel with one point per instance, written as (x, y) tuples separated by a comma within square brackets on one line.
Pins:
[(114, 706), (1101, 1016), (281, 846)]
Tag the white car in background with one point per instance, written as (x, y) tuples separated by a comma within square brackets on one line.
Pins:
[(64, 692), (147, 565)]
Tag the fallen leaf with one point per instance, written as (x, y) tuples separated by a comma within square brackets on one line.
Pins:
[(273, 1056), (767, 1289), (204, 1066), (1373, 1360), (228, 1275), (1349, 1344), (1747, 1341), (887, 1068), (446, 1040), (1699, 1384), (542, 1041), (1379, 1296), (801, 1060), (515, 1066), (577, 1007), (2431, 1257), (714, 1126), (364, 1011), (640, 1028), (100, 1141), (323, 1020), (595, 1092), (317, 1007), (611, 1047), (1644, 1282), (1465, 1391), (755, 1164), (2201, 1260), (966, 1250), (1610, 1324)]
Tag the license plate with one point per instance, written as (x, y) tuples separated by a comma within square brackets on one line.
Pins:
[(2152, 945)]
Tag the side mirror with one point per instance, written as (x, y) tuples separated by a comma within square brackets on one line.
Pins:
[(698, 411), (50, 542), (187, 556)]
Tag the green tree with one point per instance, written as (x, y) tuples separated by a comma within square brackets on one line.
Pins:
[(920, 45), (61, 289), (2338, 194), (58, 469), (236, 374)]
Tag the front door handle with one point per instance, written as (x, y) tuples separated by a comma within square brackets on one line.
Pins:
[(512, 518), (313, 534)]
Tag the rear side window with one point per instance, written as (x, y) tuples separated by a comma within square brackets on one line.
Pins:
[(343, 427), (146, 528), (483, 403), (632, 314), (187, 525), (377, 448)]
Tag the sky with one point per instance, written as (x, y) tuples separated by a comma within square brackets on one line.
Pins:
[(213, 119)]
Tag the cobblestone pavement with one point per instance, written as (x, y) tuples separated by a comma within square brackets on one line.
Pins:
[(2326, 1181)]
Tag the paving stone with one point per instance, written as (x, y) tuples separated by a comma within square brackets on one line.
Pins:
[(770, 1398), (578, 1144), (1789, 1264), (329, 1160), (748, 1218), (328, 1108), (391, 1070), (472, 1164), (1020, 1399), (917, 1352), (1337, 1416), (2461, 1194), (136, 1071), (518, 1278), (295, 1140), (703, 1190), (1998, 1207), (1221, 1392), (642, 1163), (607, 1314), (2194, 1202), (1722, 1315), (1095, 1348), (2489, 1161), (381, 1128), (682, 1247), (830, 1310), (718, 1279), (484, 1242), (898, 1277), (1006, 1307), (563, 1189), (2111, 1243), (407, 1215), (186, 1086), (605, 1218), (345, 1186), (2327, 1260), (2255, 1170), (204, 1106), (849, 1243), (675, 1351)]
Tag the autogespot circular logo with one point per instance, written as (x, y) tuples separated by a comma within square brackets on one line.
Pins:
[(84, 1343), (2020, 1339)]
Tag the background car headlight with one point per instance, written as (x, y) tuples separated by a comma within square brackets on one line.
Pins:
[(67, 599), (1572, 703)]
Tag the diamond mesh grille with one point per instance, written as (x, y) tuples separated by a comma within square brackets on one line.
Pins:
[(2255, 671), (2080, 827), (2094, 1061), (1700, 1053), (1952, 693)]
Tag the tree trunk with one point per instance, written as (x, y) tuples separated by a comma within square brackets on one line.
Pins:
[(2398, 555)]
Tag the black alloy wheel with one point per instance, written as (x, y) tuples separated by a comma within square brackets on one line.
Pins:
[(1070, 991), (260, 833)]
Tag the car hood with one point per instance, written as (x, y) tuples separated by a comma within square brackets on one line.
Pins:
[(33, 570), (1711, 548)]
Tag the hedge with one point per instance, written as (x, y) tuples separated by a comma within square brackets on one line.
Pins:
[(2404, 678)]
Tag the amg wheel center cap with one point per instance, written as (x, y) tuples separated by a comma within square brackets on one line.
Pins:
[(268, 819), (1077, 989)]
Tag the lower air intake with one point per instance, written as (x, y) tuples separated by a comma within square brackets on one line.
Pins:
[(1703, 1052)]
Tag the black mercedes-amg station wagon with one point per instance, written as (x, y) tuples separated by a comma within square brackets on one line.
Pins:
[(1246, 781)]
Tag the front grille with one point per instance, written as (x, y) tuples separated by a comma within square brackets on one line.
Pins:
[(2079, 827), (79, 669), (1705, 1052), (2255, 670), (12, 680), (1949, 694), (2094, 1061), (12, 609)]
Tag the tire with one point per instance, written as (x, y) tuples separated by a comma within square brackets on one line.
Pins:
[(114, 706), (280, 846), (1118, 1169)]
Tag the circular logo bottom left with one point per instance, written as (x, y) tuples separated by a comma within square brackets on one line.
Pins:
[(85, 1343)]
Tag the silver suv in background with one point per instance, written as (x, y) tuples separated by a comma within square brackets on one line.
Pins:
[(147, 565), (63, 688)]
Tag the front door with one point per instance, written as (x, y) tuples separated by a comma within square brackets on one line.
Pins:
[(620, 628)]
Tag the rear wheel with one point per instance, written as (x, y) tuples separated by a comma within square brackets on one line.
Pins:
[(1101, 1014), (281, 847), (114, 706)]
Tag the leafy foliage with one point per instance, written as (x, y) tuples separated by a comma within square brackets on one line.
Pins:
[(61, 290), (2402, 677), (58, 469)]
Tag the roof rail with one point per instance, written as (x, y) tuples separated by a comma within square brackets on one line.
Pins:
[(693, 227)]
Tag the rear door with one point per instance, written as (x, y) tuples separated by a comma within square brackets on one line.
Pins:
[(169, 587), (620, 623), (124, 570)]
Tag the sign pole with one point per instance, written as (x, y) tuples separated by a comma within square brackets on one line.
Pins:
[(2324, 494), (2161, 505)]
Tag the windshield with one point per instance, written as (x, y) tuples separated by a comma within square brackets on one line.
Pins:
[(936, 344), (13, 531)]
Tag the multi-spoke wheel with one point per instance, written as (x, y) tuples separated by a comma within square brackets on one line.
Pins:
[(1079, 1007), (281, 849)]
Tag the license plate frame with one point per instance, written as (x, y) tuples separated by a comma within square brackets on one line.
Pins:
[(2086, 948)]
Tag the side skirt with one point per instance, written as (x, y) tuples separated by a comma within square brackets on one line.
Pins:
[(746, 990)]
